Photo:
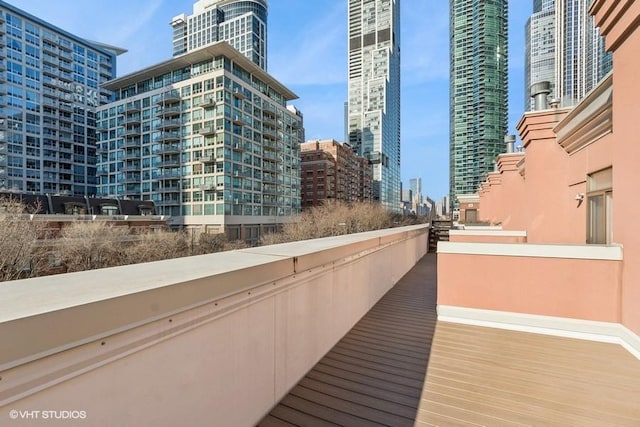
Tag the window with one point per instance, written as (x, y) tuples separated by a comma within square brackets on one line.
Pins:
[(600, 207)]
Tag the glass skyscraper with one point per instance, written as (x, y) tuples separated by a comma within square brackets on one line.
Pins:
[(581, 60), (241, 23), (373, 114), (478, 90), (540, 49), (49, 91)]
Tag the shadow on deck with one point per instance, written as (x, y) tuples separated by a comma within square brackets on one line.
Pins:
[(375, 374)]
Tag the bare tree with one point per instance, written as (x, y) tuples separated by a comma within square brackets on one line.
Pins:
[(92, 244), (21, 255), (155, 247), (333, 218)]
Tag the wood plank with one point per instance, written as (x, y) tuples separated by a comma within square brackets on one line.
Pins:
[(364, 389), (365, 379), (389, 368), (297, 418), (271, 421), (405, 411), (325, 413), (358, 410)]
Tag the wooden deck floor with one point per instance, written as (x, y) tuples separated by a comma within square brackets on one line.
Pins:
[(375, 374), (476, 376), (496, 377)]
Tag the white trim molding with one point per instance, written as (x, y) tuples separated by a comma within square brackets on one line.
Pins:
[(497, 232), (590, 330), (596, 252)]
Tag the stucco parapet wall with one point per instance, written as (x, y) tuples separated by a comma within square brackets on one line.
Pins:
[(488, 232), (85, 306), (538, 125), (509, 161), (468, 198), (617, 19), (590, 120), (494, 178), (595, 252)]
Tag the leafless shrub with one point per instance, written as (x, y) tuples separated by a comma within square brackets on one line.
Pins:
[(333, 218), (155, 247), (92, 244), (20, 254)]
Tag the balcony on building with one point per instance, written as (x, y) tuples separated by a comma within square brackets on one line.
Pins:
[(208, 102), (167, 137), (207, 131), (169, 124), (169, 149), (169, 111), (169, 97)]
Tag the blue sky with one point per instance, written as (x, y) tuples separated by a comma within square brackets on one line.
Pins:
[(307, 52)]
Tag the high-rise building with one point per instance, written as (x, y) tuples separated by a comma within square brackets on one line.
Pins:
[(331, 170), (540, 49), (241, 23), (374, 93), (478, 90), (209, 137), (415, 184), (581, 60), (50, 88)]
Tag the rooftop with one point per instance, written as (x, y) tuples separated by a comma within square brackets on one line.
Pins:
[(197, 56)]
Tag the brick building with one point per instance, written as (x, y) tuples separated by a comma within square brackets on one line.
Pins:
[(331, 170)]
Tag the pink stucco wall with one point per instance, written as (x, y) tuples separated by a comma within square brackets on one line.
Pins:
[(572, 288), (626, 171)]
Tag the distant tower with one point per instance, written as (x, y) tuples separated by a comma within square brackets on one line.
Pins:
[(374, 93), (478, 91), (581, 60), (241, 23), (540, 49)]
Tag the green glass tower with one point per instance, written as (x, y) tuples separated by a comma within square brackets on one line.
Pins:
[(478, 91)]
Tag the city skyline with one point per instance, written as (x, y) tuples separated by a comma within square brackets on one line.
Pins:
[(322, 88)]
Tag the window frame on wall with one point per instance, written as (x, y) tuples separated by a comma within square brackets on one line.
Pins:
[(599, 205)]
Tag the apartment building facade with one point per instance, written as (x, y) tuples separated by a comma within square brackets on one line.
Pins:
[(209, 137), (50, 89), (332, 171)]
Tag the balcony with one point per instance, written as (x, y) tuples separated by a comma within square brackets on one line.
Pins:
[(209, 159), (170, 124), (345, 329), (132, 131), (169, 149), (132, 119), (167, 137), (132, 107), (133, 141), (209, 102), (169, 111), (168, 202), (170, 163), (239, 93), (207, 130), (170, 188), (169, 97)]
